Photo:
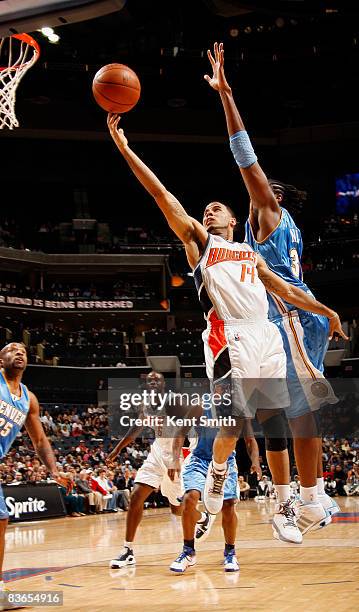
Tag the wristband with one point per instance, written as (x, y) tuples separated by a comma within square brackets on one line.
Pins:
[(242, 149)]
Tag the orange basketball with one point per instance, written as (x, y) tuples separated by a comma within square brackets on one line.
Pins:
[(116, 88)]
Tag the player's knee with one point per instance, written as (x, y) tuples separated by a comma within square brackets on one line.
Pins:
[(228, 508), (305, 426), (190, 500), (137, 497), (275, 427), (276, 444)]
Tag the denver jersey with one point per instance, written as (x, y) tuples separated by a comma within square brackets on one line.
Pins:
[(227, 282), (282, 252), (13, 413)]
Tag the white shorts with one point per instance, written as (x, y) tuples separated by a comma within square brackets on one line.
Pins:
[(153, 473), (248, 358)]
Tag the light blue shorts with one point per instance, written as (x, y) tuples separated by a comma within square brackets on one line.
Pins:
[(195, 472)]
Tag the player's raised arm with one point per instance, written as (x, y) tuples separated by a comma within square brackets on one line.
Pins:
[(296, 296), (189, 231), (263, 201)]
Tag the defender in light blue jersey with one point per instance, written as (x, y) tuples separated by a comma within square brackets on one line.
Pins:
[(18, 407), (271, 231), (197, 525)]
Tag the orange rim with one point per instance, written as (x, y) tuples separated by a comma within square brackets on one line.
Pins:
[(29, 40)]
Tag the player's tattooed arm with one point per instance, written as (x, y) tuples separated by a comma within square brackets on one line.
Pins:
[(264, 208), (132, 433), (297, 297), (188, 230), (40, 442)]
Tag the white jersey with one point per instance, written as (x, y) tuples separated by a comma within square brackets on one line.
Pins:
[(164, 434), (227, 282)]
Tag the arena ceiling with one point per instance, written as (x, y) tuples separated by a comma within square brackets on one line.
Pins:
[(292, 63)]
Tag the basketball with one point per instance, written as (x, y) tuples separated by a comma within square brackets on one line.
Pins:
[(116, 88)]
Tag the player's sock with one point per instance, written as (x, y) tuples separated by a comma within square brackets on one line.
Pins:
[(228, 548), (1, 585), (128, 545), (320, 486), (219, 467), (283, 492), (189, 543), (203, 518), (309, 494)]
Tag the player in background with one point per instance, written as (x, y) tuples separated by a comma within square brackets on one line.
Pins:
[(271, 231), (152, 474), (240, 342), (18, 407), (196, 525)]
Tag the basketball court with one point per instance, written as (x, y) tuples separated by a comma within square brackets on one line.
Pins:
[(72, 556)]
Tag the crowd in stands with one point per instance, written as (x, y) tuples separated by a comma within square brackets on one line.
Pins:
[(321, 252), (81, 440)]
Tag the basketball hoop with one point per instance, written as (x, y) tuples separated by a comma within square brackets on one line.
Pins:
[(20, 52)]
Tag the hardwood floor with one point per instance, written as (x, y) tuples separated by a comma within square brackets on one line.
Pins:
[(72, 555)]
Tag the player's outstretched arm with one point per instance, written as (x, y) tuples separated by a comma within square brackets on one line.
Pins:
[(297, 297), (40, 442), (189, 231), (131, 435), (263, 201)]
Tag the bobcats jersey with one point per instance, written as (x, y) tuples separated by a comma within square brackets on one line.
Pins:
[(227, 282), (282, 252), (13, 413)]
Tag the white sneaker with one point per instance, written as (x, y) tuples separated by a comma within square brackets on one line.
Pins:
[(284, 523), (127, 558), (214, 489), (230, 562), (203, 528), (310, 516), (330, 506), (185, 559)]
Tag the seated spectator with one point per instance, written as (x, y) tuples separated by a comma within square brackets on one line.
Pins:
[(93, 498), (74, 503), (330, 487), (243, 488)]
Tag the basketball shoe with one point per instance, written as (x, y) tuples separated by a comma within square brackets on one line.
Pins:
[(311, 516), (185, 559), (214, 489), (284, 523), (230, 562), (330, 506), (127, 558), (204, 527)]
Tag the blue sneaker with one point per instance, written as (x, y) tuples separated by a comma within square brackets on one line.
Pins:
[(230, 562), (185, 559)]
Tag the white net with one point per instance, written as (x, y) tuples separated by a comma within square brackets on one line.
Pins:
[(17, 54)]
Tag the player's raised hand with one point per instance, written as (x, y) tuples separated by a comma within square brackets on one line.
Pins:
[(63, 481), (218, 79), (113, 120), (335, 328)]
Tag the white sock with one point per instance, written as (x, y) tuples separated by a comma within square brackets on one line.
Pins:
[(320, 486), (219, 467), (283, 492), (128, 545), (309, 494), (1, 585)]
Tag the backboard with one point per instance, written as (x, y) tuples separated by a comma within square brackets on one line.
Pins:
[(18, 16)]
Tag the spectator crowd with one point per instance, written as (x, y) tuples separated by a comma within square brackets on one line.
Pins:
[(81, 440)]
